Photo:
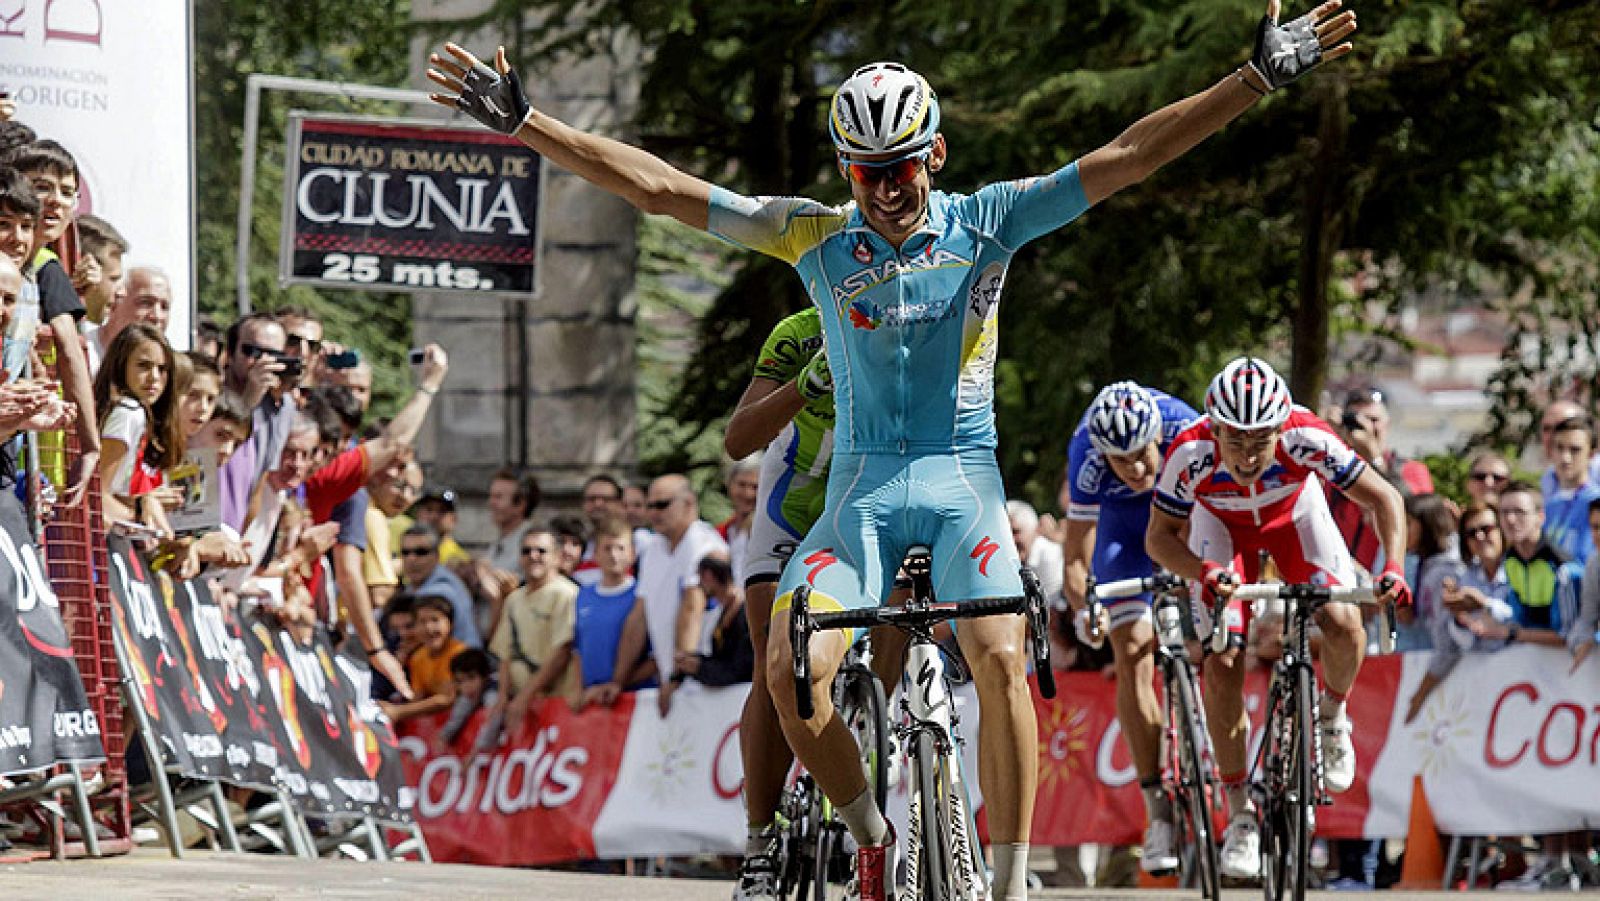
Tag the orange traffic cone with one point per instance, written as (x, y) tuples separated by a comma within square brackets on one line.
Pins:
[(1423, 869)]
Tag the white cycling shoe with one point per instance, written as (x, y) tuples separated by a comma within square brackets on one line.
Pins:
[(1160, 853), (1241, 848), (1338, 754)]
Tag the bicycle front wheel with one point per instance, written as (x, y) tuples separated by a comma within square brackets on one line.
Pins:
[(932, 878), (1196, 794), (1303, 784)]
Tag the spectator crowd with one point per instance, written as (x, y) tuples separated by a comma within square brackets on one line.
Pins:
[(251, 460)]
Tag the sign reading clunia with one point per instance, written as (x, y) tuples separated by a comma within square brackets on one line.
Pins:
[(393, 205)]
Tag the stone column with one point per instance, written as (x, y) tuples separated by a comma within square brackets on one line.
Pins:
[(546, 382)]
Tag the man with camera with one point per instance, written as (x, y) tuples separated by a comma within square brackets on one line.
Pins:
[(259, 371)]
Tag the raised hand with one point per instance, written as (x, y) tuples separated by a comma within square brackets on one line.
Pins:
[(492, 96), (1283, 53)]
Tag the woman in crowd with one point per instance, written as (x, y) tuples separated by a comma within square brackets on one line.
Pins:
[(140, 432), (1431, 536)]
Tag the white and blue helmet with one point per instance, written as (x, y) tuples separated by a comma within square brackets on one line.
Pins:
[(1248, 395), (1123, 419), (881, 108)]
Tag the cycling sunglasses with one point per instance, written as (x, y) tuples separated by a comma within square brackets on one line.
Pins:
[(900, 170)]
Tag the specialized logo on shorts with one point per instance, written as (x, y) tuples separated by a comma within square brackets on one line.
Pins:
[(818, 561), (986, 549)]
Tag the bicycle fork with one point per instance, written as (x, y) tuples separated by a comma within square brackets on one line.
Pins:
[(929, 707)]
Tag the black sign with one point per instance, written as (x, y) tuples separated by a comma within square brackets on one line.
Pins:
[(240, 700), (45, 715), (390, 205)]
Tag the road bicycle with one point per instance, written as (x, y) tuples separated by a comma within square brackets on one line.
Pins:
[(943, 861), (1191, 776), (812, 849), (1286, 773)]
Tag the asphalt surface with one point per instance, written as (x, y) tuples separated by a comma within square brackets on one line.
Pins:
[(151, 874)]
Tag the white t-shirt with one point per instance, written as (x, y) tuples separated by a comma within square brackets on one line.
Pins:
[(126, 424), (664, 572), (1047, 559)]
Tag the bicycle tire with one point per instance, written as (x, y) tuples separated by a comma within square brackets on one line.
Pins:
[(1304, 794), (1274, 823), (934, 855), (865, 709), (799, 864), (826, 845), (1194, 786)]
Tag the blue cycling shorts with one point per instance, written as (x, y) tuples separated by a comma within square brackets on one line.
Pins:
[(879, 505)]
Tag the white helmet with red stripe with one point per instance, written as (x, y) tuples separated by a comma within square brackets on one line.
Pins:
[(883, 107), (1248, 395)]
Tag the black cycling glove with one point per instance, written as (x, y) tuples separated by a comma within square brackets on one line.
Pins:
[(1285, 52), (495, 100)]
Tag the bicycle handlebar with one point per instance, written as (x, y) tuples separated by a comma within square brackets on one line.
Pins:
[(1127, 588), (1272, 591)]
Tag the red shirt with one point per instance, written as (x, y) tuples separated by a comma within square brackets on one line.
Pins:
[(334, 483)]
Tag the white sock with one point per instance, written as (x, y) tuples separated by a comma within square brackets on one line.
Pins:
[(864, 820), (1011, 871)]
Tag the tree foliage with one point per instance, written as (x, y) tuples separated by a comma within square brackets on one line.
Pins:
[(1456, 144), (340, 40)]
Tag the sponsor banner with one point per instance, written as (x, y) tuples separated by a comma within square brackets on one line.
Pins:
[(1507, 745), (110, 81), (241, 700), (397, 205), (45, 715)]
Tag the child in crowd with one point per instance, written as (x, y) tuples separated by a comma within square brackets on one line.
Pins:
[(428, 667), (141, 435), (198, 387), (603, 607), (474, 689), (228, 426)]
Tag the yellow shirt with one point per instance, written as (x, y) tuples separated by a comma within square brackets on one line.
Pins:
[(538, 623), (377, 561)]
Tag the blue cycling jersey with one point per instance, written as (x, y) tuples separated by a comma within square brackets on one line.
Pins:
[(1095, 494), (911, 332)]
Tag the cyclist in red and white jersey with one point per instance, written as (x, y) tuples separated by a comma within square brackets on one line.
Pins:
[(1243, 480)]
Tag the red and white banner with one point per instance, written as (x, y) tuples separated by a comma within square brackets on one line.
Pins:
[(1508, 744)]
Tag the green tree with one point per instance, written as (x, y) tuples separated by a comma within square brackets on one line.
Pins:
[(342, 40), (1429, 150)]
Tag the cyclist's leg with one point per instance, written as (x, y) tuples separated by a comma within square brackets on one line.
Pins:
[(784, 512), (1133, 650), (1223, 673), (842, 560), (974, 557), (1310, 549)]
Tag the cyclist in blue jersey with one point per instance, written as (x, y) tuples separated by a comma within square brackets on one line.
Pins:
[(907, 281), (1112, 464)]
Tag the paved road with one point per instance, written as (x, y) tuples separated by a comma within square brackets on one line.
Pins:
[(150, 874)]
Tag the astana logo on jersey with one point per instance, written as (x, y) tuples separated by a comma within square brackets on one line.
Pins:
[(852, 285)]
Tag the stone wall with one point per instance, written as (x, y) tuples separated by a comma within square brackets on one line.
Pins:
[(545, 382)]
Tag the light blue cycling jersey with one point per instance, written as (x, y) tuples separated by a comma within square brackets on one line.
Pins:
[(1121, 515), (911, 332)]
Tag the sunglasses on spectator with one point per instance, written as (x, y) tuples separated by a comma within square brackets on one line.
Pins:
[(900, 170), (313, 346), (252, 351), (415, 551), (532, 551), (660, 505), (1581, 422), (1478, 533), (1490, 477)]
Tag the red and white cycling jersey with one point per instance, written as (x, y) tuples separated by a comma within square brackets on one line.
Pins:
[(1193, 474)]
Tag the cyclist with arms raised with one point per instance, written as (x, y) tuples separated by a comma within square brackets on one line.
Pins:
[(1112, 464), (907, 282), (1243, 479)]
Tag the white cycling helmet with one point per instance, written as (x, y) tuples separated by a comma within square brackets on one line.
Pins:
[(1248, 395), (1123, 419), (881, 108)]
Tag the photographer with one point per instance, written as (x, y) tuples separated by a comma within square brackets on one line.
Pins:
[(262, 375), (1364, 424)]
